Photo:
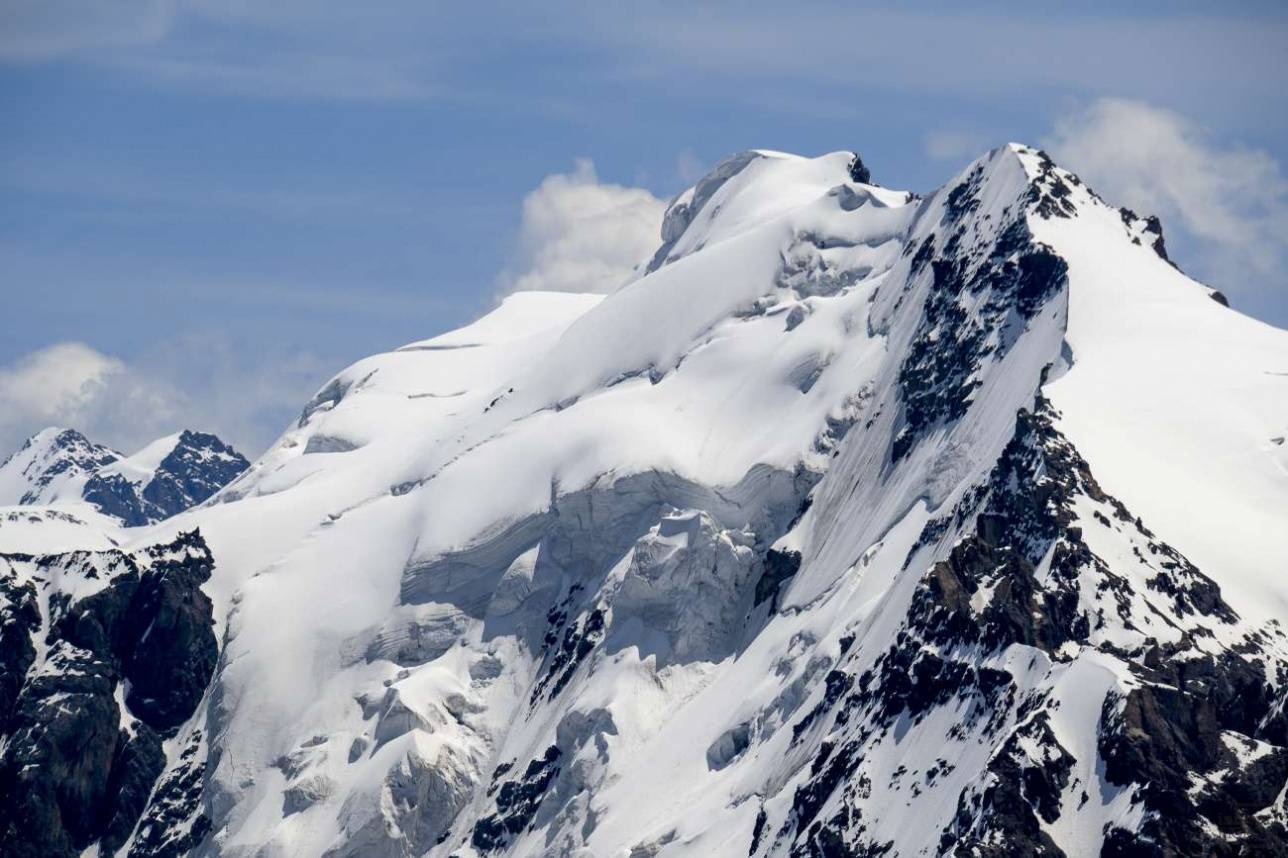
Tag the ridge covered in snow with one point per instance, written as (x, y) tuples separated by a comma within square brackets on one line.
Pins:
[(62, 467), (39, 471), (855, 523)]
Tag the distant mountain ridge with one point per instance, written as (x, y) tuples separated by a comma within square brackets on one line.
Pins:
[(166, 477)]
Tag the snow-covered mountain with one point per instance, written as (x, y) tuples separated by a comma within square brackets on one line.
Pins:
[(857, 523), (60, 466), (50, 463)]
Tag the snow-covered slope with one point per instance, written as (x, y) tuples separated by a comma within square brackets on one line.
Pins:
[(856, 523)]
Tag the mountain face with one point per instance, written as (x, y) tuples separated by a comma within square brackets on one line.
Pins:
[(195, 467), (47, 462), (166, 477), (858, 523)]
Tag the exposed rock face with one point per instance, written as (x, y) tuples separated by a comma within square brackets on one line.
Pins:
[(859, 171), (517, 802), (80, 758), (19, 621), (1196, 711), (988, 279), (197, 467)]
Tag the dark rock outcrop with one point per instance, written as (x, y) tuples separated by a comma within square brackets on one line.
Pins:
[(859, 172), (780, 566), (516, 803), (199, 465), (1200, 739), (77, 768), (987, 280), (19, 620)]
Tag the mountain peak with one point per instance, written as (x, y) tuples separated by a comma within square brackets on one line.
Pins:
[(164, 478), (191, 468), (57, 437), (47, 462)]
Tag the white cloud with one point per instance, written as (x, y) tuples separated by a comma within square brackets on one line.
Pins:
[(1231, 202), (195, 383), (71, 384), (578, 235), (55, 381)]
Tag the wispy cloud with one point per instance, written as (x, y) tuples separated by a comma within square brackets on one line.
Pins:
[(954, 144), (400, 49), (71, 384), (84, 181), (301, 75), (39, 30), (1230, 201), (282, 50), (973, 53), (190, 382)]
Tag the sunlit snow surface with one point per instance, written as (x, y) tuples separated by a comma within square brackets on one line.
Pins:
[(388, 575)]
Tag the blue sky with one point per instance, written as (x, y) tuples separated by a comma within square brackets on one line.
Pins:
[(208, 208)]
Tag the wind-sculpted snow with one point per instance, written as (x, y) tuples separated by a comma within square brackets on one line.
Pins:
[(857, 523)]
